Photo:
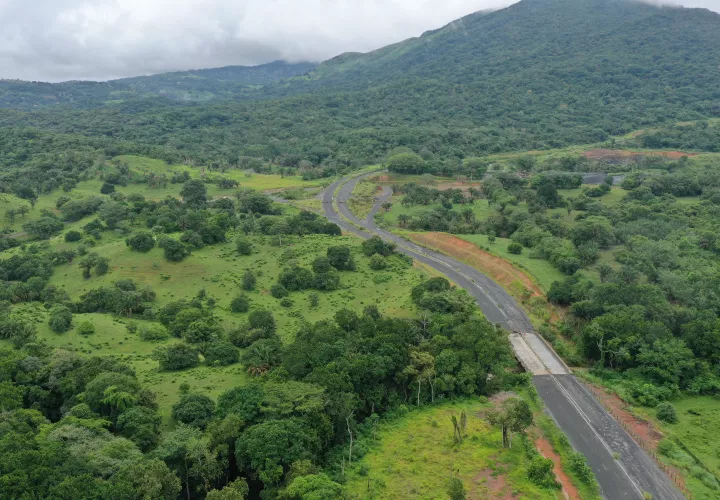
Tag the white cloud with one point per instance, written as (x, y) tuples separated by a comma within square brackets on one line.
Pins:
[(101, 39)]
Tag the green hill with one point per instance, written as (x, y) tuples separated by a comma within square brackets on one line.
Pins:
[(536, 75)]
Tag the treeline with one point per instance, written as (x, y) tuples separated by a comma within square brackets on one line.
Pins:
[(291, 433)]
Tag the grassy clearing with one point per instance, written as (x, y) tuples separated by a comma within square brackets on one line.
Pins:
[(415, 456), (543, 272), (698, 429), (363, 198), (219, 271)]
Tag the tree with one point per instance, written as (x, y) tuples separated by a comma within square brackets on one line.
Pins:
[(243, 246), (176, 357), (60, 319), (194, 193), (456, 489), (376, 245), (341, 258), (322, 264), (195, 410), (595, 229), (514, 415), (43, 228), (175, 448), (262, 320), (174, 250), (387, 206), (142, 241), (240, 304), (314, 487), (249, 280), (149, 479), (271, 446), (278, 291), (475, 167), (236, 490), (221, 354), (107, 188), (406, 163)]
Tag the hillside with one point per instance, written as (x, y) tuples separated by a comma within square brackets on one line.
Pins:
[(193, 86), (539, 74)]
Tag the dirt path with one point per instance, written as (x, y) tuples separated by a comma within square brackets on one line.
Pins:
[(568, 489)]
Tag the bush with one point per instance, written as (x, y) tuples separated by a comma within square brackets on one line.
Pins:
[(341, 258), (262, 320), (107, 188), (176, 357), (377, 262), (221, 354), (60, 319), (73, 236), (174, 250), (515, 248), (243, 246), (322, 264), (249, 280), (193, 239), (376, 245), (86, 328), (579, 465), (286, 302), (240, 304), (153, 333), (667, 413), (278, 291), (541, 472)]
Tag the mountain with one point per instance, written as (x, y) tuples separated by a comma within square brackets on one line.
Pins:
[(538, 74), (194, 86)]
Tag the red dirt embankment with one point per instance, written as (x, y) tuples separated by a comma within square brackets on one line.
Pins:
[(496, 267), (607, 154), (568, 488)]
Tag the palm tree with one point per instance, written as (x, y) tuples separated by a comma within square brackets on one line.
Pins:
[(117, 399)]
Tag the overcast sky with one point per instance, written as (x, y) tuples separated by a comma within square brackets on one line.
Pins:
[(54, 40)]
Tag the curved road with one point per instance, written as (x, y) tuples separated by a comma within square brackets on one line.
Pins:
[(590, 429)]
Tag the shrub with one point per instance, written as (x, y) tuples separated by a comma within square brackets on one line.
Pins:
[(377, 262), (515, 248), (376, 245), (541, 472), (174, 250), (278, 291), (60, 319), (73, 236), (341, 258), (221, 354), (262, 320), (240, 304), (153, 333), (579, 465), (249, 280), (86, 328), (322, 264), (327, 281), (314, 299), (666, 412), (176, 357), (243, 246), (107, 188), (286, 302)]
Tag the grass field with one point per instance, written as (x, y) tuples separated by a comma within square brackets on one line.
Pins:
[(363, 198), (218, 270), (544, 272), (697, 428), (415, 456)]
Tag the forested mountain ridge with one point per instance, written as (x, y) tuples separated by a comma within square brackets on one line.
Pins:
[(192, 85), (540, 74)]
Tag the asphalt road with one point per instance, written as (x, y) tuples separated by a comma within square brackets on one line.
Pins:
[(589, 428)]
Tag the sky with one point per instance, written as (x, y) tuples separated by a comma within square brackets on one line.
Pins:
[(56, 40)]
